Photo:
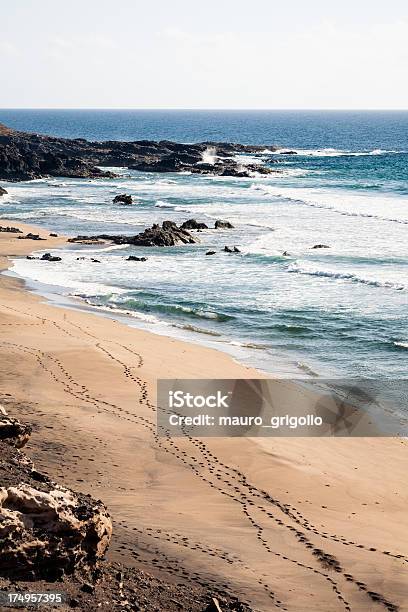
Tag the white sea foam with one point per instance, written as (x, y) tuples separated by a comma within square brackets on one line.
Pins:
[(209, 156), (113, 247), (6, 198), (163, 204), (248, 159), (309, 270), (402, 344), (61, 275), (146, 318), (331, 152), (342, 202)]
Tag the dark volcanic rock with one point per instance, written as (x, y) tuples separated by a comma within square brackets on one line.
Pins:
[(192, 224), (49, 257), (223, 224), (320, 246), (210, 252), (166, 235), (88, 240), (31, 236), (123, 198), (12, 431), (10, 230), (2, 191), (134, 258), (234, 249), (25, 156)]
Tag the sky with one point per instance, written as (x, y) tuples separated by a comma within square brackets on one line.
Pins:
[(221, 54)]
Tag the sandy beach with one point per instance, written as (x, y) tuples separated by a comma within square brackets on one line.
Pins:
[(291, 524)]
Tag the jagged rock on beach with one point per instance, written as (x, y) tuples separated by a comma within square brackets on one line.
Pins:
[(234, 249), (123, 198), (2, 192), (10, 230), (320, 246), (12, 431), (210, 252), (134, 258), (46, 529), (31, 236)]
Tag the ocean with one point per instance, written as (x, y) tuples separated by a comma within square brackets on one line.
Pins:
[(337, 311)]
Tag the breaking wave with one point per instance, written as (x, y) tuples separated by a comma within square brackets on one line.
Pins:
[(294, 268)]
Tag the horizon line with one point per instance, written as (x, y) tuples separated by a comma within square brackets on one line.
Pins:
[(193, 109)]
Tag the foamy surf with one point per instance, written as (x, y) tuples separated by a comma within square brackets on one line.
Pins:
[(295, 268)]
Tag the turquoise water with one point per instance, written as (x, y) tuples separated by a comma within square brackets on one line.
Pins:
[(336, 311)]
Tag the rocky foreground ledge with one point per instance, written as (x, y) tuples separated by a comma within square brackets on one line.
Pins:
[(25, 156), (53, 539)]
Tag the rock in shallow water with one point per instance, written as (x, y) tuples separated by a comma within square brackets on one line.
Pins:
[(168, 234), (193, 224), (219, 224), (123, 198)]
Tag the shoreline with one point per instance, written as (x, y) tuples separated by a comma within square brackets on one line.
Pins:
[(243, 353), (248, 515)]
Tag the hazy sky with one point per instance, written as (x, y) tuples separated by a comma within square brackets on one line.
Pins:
[(204, 54)]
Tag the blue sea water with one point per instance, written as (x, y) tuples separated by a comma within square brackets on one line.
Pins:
[(341, 310)]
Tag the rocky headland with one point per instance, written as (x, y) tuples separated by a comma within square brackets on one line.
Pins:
[(25, 156)]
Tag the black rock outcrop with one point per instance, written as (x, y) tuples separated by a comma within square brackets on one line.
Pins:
[(192, 224), (49, 257), (10, 230), (25, 156), (123, 198), (31, 236), (166, 234), (223, 224)]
